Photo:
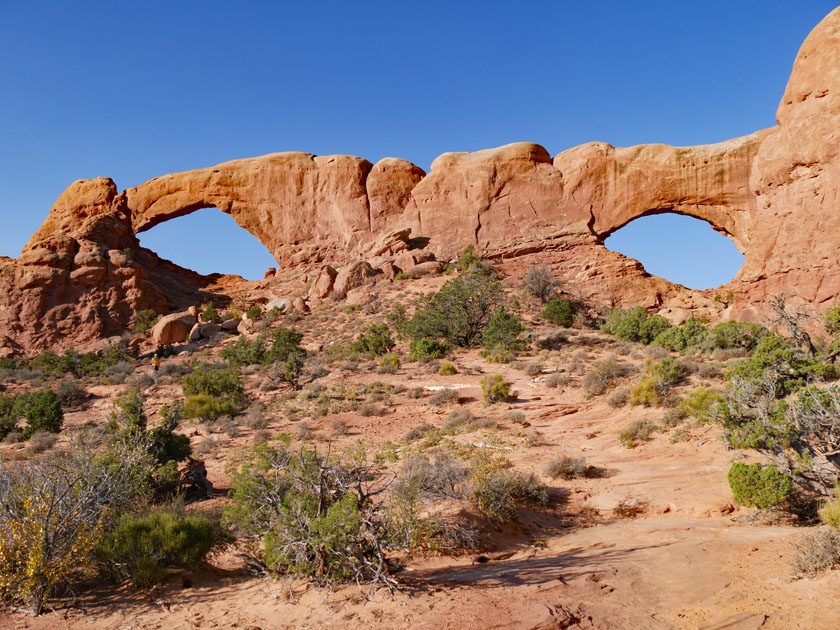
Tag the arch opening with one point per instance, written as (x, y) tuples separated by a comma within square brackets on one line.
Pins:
[(682, 249), (209, 241)]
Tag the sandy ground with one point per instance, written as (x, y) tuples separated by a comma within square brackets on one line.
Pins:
[(691, 558)]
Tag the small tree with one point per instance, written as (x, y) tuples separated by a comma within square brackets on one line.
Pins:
[(759, 486), (503, 332), (210, 314)]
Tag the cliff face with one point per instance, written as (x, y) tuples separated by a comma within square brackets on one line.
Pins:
[(774, 192)]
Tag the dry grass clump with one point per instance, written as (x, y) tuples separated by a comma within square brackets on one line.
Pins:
[(603, 376), (619, 397), (638, 431), (558, 380), (517, 417), (417, 432), (817, 552), (445, 396), (42, 441), (630, 508), (339, 427), (458, 419), (533, 369), (566, 466), (304, 431), (416, 392), (369, 410)]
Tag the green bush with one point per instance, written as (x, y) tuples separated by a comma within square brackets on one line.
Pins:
[(503, 332), (447, 369), (141, 547), (458, 312), (692, 334), (661, 376), (494, 388), (469, 260), (8, 415), (759, 486), (313, 513), (559, 312), (734, 334), (144, 320), (207, 407), (638, 431), (830, 511), (389, 364), (425, 348), (254, 313), (210, 314), (775, 355), (42, 411), (220, 383), (375, 340), (634, 324), (245, 351), (701, 403), (497, 491)]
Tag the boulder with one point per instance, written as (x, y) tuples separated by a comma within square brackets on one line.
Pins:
[(323, 283), (173, 328), (425, 269), (209, 329), (300, 305), (389, 271), (246, 326), (283, 304), (230, 325), (360, 297), (390, 243), (270, 272), (354, 276), (676, 316), (195, 333)]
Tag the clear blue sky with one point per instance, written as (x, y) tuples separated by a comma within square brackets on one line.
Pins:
[(136, 90)]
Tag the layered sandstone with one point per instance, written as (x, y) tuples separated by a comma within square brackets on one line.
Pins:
[(774, 193)]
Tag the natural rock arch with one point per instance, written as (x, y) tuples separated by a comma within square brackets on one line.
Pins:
[(774, 192)]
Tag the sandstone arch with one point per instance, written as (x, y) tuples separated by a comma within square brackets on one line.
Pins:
[(774, 192)]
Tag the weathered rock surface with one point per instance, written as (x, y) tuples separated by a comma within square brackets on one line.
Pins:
[(173, 328), (83, 275)]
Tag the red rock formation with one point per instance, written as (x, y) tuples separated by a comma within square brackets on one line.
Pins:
[(82, 275)]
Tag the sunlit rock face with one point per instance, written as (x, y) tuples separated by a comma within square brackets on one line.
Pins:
[(775, 192)]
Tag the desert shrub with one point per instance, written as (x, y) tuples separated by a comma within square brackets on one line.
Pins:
[(816, 553), (41, 441), (141, 547), (144, 320), (517, 417), (316, 515), (557, 380), (503, 332), (791, 367), (221, 383), (447, 369), (619, 397), (370, 409), (8, 415), (389, 364), (701, 403), (661, 376), (734, 334), (638, 431), (426, 348), (494, 388), (533, 369), (552, 341), (417, 432), (457, 419), (255, 313), (680, 338), (42, 411), (566, 466), (441, 477), (210, 314), (375, 340), (445, 396), (458, 312), (497, 491), (829, 512), (603, 375), (55, 511), (339, 427), (634, 324), (245, 351), (540, 282), (559, 312), (207, 407), (469, 260), (759, 486)]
